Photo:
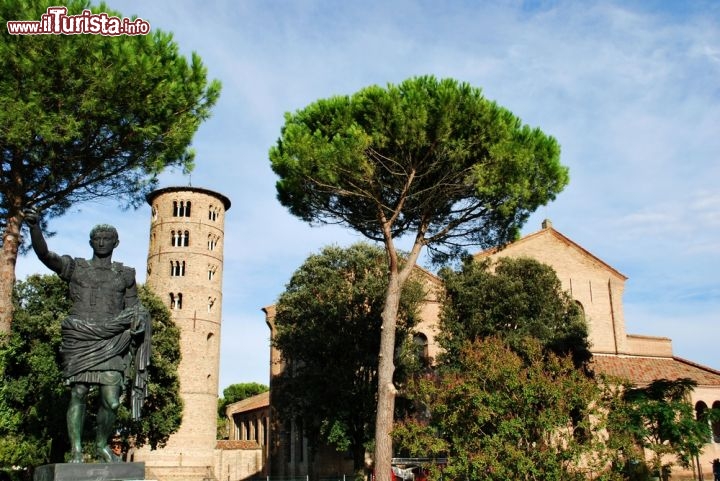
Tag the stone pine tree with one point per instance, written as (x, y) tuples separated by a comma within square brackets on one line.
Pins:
[(429, 159), (88, 116)]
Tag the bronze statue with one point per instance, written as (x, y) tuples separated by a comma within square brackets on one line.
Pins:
[(105, 338)]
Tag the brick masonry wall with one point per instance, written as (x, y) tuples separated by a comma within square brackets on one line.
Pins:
[(176, 268), (649, 345)]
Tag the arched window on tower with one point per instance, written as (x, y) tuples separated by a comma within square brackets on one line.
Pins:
[(180, 238), (211, 271), (177, 268), (212, 242), (181, 208), (211, 303), (213, 213), (178, 301)]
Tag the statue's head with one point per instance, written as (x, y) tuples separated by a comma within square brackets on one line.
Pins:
[(104, 239), (104, 228)]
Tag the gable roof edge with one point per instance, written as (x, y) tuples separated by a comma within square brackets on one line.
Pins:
[(552, 231), (697, 365)]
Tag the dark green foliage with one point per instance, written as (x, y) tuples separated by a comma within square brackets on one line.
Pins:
[(497, 415), (509, 400), (328, 330), (237, 392), (89, 115), (513, 299), (425, 156), (33, 397)]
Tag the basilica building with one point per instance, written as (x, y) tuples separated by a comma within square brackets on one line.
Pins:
[(598, 289)]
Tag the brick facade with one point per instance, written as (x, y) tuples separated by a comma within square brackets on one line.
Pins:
[(598, 288)]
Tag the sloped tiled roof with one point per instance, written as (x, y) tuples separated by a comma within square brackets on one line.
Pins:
[(643, 370), (257, 401)]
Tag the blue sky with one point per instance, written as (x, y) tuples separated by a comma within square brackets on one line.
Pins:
[(631, 90)]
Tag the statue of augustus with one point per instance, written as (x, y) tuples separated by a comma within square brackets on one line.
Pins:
[(105, 338)]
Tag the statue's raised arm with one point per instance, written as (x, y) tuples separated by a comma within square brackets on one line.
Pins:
[(53, 261)]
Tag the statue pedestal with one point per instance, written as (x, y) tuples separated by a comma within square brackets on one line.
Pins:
[(90, 472)]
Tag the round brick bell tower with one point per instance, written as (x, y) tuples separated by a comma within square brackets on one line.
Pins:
[(185, 269)]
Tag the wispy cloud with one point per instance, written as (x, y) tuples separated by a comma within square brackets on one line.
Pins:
[(630, 90)]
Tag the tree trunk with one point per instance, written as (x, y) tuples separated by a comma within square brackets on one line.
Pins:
[(8, 259), (385, 416), (386, 389)]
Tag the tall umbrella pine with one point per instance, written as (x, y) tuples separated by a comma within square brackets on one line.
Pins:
[(88, 116), (427, 158)]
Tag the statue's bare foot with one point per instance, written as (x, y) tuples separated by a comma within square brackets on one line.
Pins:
[(76, 457), (105, 455)]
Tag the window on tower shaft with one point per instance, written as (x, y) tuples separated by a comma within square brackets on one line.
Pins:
[(213, 213), (181, 208), (180, 238), (213, 242), (177, 268), (175, 300)]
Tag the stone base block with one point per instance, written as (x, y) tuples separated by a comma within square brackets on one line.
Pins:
[(90, 472)]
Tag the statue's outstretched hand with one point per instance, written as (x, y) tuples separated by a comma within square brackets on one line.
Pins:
[(32, 216)]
